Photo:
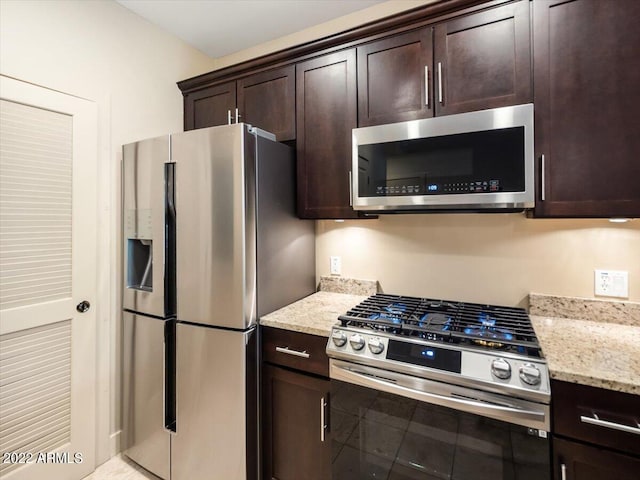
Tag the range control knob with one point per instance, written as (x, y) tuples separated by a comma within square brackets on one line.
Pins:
[(375, 345), (530, 374), (339, 338), (356, 341), (501, 368)]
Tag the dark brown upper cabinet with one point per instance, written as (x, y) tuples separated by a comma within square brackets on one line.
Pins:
[(210, 106), (265, 100), (587, 99), (326, 107), (393, 78), (478, 61), (483, 60)]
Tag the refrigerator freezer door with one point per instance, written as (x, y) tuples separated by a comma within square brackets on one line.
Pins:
[(216, 436), (143, 185), (215, 226), (145, 440)]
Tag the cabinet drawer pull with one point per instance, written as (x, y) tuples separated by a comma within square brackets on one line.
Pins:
[(237, 116), (563, 472), (440, 82), (228, 117), (612, 425), (426, 85), (296, 353), (323, 423)]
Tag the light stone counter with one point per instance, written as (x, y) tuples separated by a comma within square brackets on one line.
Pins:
[(604, 355), (599, 346), (315, 314)]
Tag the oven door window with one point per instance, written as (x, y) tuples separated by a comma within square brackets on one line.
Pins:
[(377, 435)]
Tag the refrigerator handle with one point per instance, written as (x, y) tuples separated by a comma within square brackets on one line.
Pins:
[(170, 373)]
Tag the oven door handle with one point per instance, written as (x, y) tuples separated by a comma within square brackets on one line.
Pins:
[(531, 418)]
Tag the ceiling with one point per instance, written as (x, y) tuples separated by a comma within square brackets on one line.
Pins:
[(223, 27)]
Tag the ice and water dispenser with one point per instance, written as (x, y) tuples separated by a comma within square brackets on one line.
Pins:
[(139, 238), (147, 227)]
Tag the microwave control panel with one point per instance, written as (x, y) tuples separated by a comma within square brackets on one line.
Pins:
[(411, 187)]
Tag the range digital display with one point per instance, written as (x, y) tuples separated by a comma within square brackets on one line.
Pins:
[(425, 355)]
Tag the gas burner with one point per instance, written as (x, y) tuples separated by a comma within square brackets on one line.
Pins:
[(488, 334), (435, 321), (392, 313)]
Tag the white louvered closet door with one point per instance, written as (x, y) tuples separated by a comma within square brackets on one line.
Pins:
[(48, 154)]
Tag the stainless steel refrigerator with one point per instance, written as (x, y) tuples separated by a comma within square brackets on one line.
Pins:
[(211, 243)]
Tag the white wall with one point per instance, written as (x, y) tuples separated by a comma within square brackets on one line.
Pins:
[(490, 258), (98, 50)]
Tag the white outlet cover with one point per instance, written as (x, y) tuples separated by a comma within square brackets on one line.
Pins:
[(335, 265), (612, 283)]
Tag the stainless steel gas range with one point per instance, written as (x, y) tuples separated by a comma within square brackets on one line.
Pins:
[(425, 389)]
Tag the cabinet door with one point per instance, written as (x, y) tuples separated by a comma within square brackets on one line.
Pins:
[(587, 73), (393, 78), (583, 462), (326, 113), (483, 60), (295, 413), (267, 100), (210, 106)]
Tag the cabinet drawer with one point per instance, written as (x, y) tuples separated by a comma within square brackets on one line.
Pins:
[(295, 350), (596, 415)]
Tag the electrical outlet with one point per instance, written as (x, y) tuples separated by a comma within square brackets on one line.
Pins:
[(612, 283), (336, 265)]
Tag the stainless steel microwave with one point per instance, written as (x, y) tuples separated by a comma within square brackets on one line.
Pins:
[(477, 161)]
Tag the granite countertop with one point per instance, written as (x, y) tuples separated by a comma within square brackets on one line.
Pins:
[(604, 355), (590, 342), (315, 314)]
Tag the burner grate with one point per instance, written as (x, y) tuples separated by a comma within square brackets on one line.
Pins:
[(485, 326)]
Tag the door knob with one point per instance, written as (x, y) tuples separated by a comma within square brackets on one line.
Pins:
[(83, 306)]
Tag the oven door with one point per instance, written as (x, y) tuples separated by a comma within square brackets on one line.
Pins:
[(391, 426)]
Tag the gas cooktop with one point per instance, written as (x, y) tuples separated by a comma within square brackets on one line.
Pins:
[(486, 347), (468, 324)]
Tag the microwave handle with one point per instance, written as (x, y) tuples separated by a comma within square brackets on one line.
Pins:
[(542, 182), (350, 189)]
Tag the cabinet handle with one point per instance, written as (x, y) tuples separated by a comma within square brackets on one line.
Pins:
[(296, 353), (237, 116), (542, 182), (426, 85), (350, 189), (228, 117), (612, 425), (563, 471), (323, 424), (440, 82)]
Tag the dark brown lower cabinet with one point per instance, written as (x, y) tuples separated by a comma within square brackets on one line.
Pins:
[(295, 415), (578, 461), (594, 433)]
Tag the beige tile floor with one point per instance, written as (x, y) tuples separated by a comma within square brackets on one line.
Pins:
[(120, 468)]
